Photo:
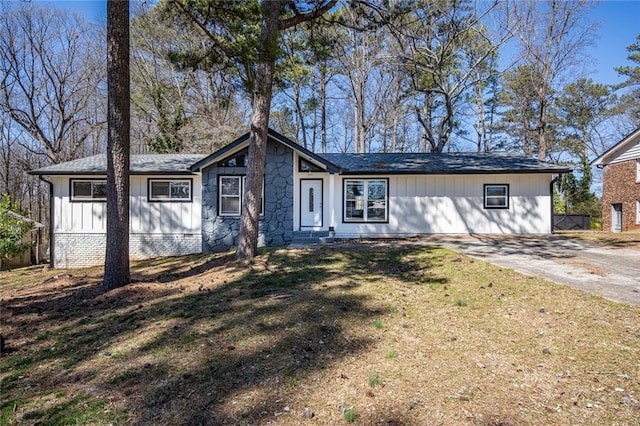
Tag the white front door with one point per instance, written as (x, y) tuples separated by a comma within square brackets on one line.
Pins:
[(310, 203)]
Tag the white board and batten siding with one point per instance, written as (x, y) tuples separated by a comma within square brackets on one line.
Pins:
[(454, 204), (146, 217), (76, 217), (156, 228), (164, 217)]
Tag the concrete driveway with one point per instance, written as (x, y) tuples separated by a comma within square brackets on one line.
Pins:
[(607, 270)]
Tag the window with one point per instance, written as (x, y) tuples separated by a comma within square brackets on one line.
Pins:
[(365, 200), (637, 211), (239, 159), (496, 196), (231, 193), (88, 190), (638, 170), (307, 166), (170, 190)]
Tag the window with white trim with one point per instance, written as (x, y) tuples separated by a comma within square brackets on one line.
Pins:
[(638, 170), (170, 190), (231, 194), (88, 190), (496, 196), (366, 200), (638, 211)]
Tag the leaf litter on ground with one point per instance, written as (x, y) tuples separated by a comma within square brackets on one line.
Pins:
[(209, 340)]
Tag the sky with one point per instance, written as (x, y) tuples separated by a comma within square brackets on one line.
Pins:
[(93, 10), (619, 25)]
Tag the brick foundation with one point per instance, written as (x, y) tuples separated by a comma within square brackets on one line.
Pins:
[(619, 186), (82, 250)]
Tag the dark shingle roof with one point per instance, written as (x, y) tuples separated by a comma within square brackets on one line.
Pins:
[(140, 164), (373, 163), (448, 163)]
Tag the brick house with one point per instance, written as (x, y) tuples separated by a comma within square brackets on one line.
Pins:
[(620, 166)]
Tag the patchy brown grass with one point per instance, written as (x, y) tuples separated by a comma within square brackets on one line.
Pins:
[(369, 334), (630, 239)]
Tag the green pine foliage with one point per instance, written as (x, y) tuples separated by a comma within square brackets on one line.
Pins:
[(630, 99)]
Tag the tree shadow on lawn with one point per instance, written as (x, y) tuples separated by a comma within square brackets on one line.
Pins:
[(230, 352), (65, 292), (403, 262)]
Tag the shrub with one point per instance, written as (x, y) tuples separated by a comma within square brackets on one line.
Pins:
[(12, 230)]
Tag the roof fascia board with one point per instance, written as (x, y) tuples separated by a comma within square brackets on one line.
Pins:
[(131, 173), (470, 172), (620, 146)]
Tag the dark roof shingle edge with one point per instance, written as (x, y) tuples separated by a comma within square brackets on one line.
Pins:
[(446, 163), (144, 164)]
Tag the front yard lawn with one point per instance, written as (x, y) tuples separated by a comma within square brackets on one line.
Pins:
[(366, 334)]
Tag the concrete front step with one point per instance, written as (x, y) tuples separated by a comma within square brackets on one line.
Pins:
[(312, 237)]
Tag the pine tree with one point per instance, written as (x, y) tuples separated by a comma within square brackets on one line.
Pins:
[(630, 100)]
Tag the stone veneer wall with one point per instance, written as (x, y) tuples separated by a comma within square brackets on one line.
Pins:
[(619, 186), (219, 233), (81, 250)]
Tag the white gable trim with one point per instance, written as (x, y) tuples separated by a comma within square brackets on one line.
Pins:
[(627, 149)]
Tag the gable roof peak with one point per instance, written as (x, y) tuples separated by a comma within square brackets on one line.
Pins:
[(612, 153), (273, 135)]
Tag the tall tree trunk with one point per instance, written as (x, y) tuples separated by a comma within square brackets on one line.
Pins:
[(542, 145), (356, 126), (300, 126), (542, 127), (323, 106), (116, 266), (362, 120), (446, 125), (314, 134), (492, 114), (480, 125), (249, 222), (394, 130)]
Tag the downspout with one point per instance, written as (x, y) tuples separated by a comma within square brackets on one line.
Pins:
[(51, 211), (554, 180), (601, 167)]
